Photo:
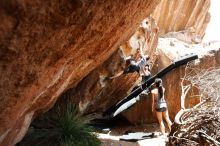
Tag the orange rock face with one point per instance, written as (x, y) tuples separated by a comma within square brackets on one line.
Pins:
[(93, 90), (188, 15), (48, 46)]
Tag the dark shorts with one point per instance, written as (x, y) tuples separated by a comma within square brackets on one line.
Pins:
[(131, 69), (163, 109)]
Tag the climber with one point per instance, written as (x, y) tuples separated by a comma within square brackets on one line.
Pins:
[(159, 105), (146, 74), (132, 66)]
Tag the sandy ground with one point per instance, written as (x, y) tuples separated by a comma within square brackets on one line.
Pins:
[(112, 137), (108, 142)]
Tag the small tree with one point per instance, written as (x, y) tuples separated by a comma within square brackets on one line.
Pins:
[(199, 125)]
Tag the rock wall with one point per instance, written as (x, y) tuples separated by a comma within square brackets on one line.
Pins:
[(107, 92), (90, 93), (50, 46), (190, 16)]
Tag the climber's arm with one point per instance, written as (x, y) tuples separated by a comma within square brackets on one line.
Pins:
[(115, 76), (141, 49)]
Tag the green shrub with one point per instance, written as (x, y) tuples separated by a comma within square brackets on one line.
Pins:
[(60, 127)]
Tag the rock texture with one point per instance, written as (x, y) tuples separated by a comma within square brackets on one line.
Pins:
[(90, 93), (190, 16), (48, 46), (104, 93)]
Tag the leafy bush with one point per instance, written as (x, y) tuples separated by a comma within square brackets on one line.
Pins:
[(60, 127)]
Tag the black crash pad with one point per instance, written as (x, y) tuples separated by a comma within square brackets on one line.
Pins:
[(133, 137)]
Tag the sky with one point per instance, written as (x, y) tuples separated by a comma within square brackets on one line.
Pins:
[(213, 28)]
